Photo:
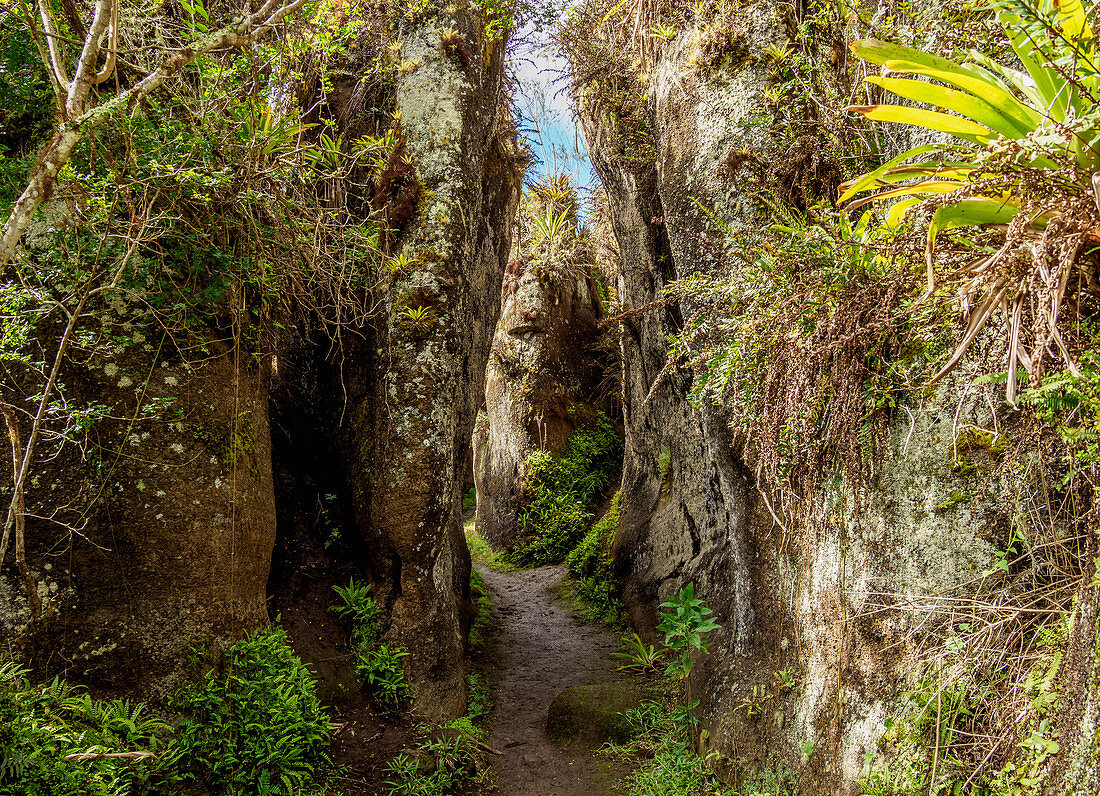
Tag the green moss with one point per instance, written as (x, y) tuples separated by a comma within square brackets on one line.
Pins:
[(978, 439), (962, 466), (953, 501), (664, 467), (478, 688), (229, 441)]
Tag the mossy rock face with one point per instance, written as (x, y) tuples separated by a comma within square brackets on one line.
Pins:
[(592, 715)]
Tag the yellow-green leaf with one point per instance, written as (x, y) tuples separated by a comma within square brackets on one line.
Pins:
[(979, 82), (930, 120), (864, 181), (917, 189), (964, 103)]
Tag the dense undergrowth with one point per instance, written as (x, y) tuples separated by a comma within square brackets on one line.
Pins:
[(562, 488), (252, 726)]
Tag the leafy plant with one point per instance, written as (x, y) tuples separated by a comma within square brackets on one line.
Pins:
[(255, 715), (785, 679), (444, 764), (379, 669), (591, 566), (663, 763), (685, 621), (54, 739), (417, 320), (561, 488), (804, 342), (358, 609), (377, 666), (551, 227), (638, 656), (1030, 142), (753, 703)]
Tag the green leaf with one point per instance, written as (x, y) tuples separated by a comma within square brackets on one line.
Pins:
[(967, 213), (974, 108), (930, 120)]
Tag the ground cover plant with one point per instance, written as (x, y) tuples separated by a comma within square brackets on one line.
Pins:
[(377, 665), (251, 726), (254, 724), (665, 732), (56, 739), (591, 567)]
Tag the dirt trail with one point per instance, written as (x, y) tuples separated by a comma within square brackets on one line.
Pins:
[(544, 649)]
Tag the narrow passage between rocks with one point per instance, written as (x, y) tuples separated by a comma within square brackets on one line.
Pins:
[(545, 649)]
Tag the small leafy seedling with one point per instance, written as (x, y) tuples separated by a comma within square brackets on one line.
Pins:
[(685, 622)]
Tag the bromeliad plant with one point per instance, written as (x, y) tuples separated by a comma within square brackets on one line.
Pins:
[(1027, 155)]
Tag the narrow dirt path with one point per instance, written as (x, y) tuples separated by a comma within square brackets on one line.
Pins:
[(544, 649)]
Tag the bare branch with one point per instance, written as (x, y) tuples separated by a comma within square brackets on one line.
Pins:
[(85, 75), (56, 63), (112, 46)]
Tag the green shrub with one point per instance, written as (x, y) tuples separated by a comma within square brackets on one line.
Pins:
[(254, 724), (379, 670), (562, 488), (452, 764), (41, 724), (358, 609)]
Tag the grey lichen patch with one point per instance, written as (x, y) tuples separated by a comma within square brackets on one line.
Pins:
[(430, 103)]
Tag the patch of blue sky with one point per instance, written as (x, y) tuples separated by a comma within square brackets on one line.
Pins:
[(548, 124)]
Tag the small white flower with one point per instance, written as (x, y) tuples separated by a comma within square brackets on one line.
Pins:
[(176, 447)]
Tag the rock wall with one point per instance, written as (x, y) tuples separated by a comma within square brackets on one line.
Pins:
[(822, 619), (157, 537), (542, 382)]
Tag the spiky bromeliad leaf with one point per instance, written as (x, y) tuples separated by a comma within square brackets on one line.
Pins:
[(1052, 97)]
